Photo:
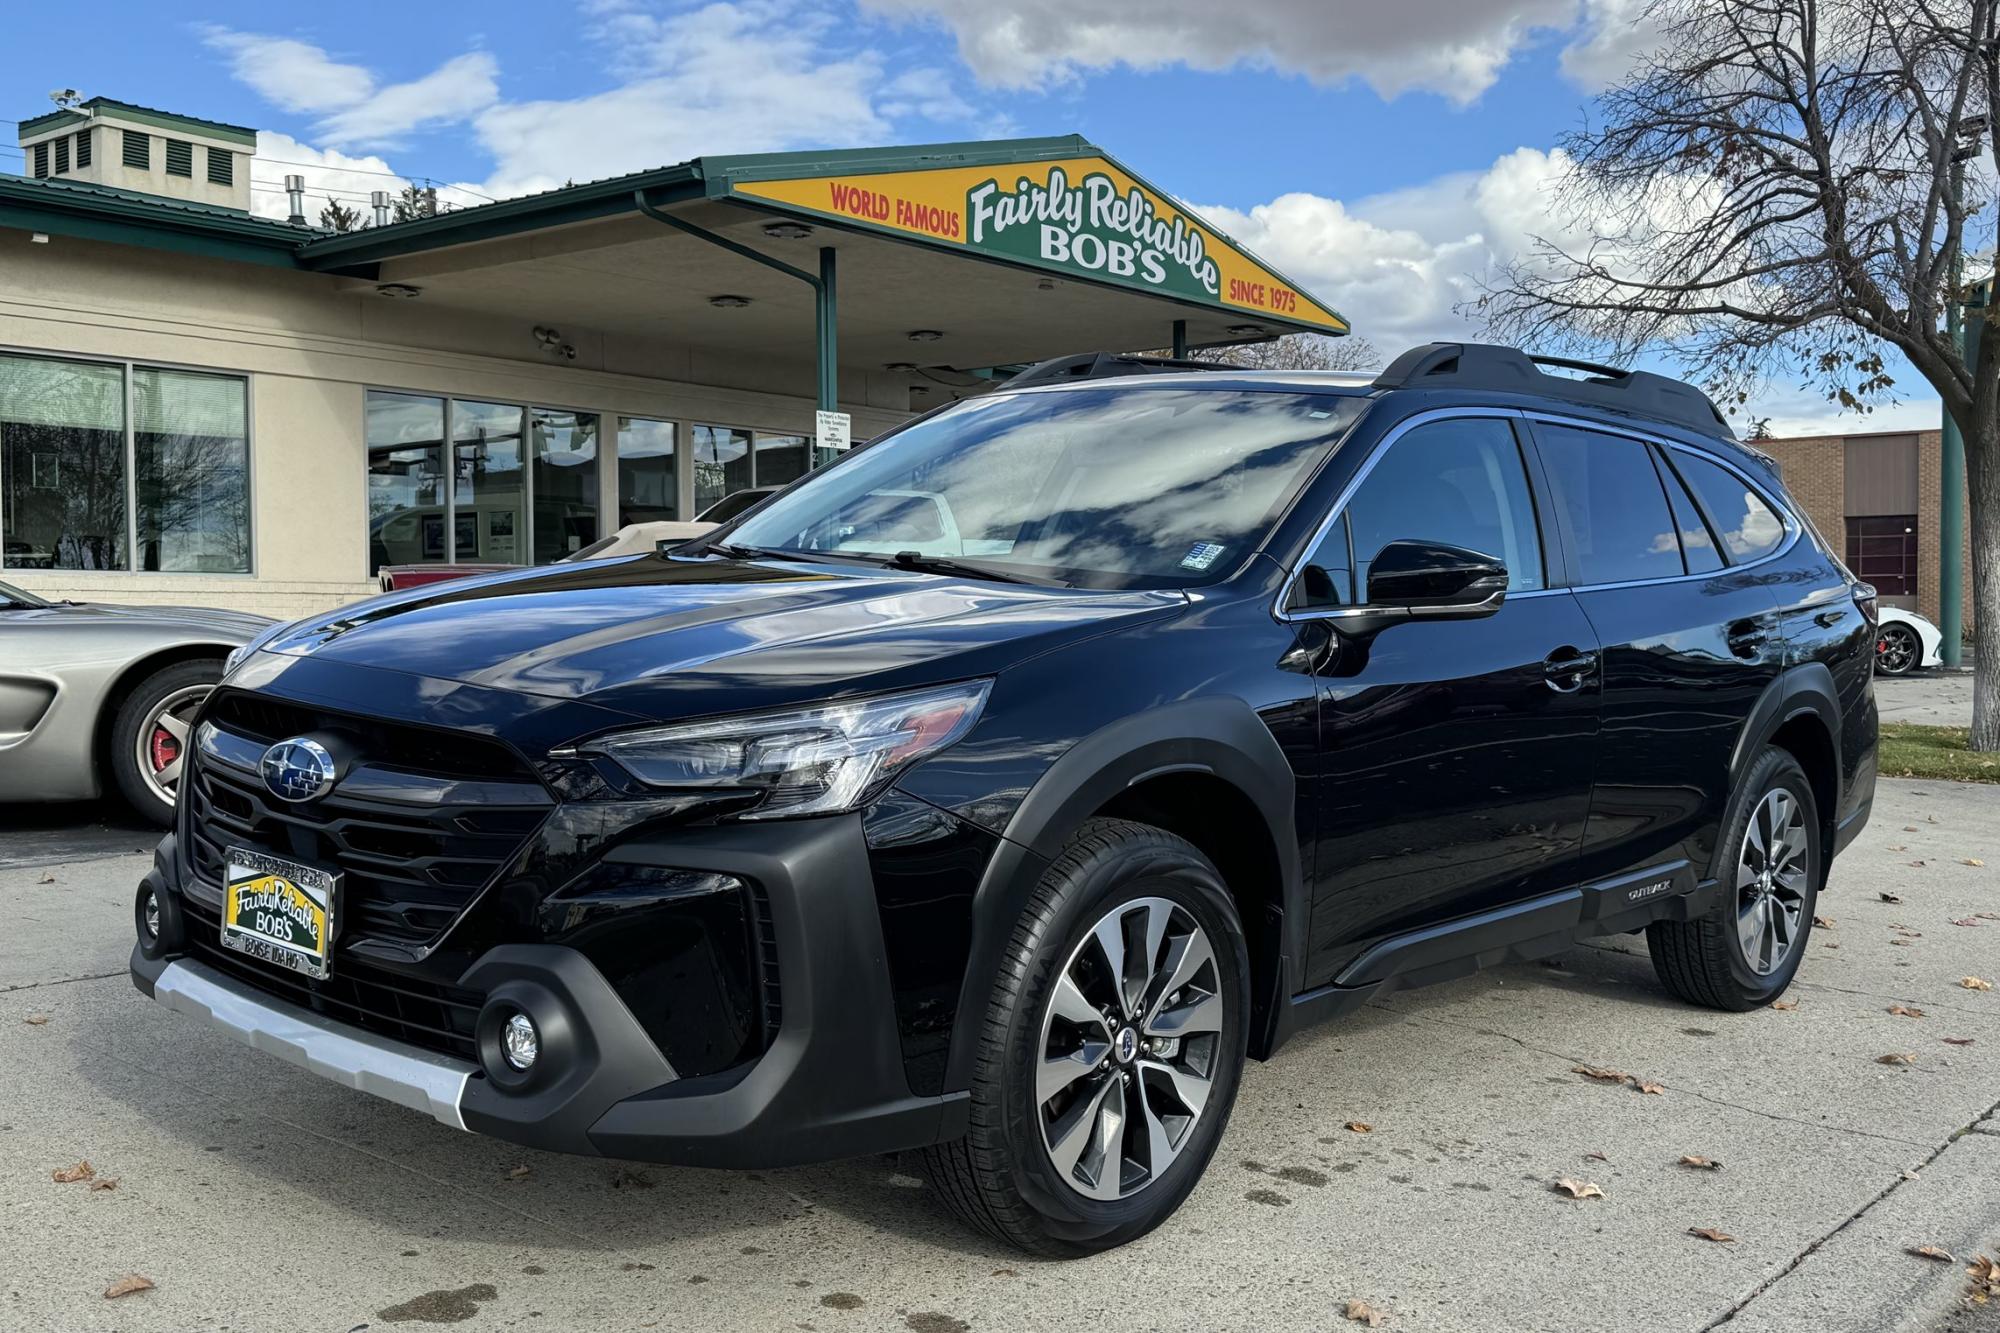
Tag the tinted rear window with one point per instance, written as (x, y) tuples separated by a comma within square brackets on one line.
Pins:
[(1748, 528)]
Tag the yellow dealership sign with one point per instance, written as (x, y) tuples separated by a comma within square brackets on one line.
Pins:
[(1082, 216)]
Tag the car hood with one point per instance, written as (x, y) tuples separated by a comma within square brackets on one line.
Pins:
[(234, 626), (661, 637)]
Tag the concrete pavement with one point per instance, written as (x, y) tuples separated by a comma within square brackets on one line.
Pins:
[(257, 1197), (1932, 698)]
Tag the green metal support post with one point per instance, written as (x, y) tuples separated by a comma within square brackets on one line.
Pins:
[(1180, 340), (1951, 508)]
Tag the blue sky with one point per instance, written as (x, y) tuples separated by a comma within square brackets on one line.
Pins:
[(1384, 155)]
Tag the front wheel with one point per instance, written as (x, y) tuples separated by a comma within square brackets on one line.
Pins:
[(1747, 948), (1897, 650), (1111, 1048), (152, 732)]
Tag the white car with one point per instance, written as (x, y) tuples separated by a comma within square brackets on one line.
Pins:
[(1905, 641)]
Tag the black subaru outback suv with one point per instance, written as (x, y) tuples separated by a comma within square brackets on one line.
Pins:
[(997, 790)]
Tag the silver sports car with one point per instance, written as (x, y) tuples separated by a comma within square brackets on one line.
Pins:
[(90, 694)]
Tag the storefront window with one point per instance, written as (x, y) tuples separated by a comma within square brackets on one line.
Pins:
[(406, 499), (564, 448), (62, 464), (781, 458), (648, 483), (488, 514), (191, 442), (721, 463)]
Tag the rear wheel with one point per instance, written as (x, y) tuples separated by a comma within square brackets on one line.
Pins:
[(1112, 1048), (1897, 650), (152, 732), (1745, 951)]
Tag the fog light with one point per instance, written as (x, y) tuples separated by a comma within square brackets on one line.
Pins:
[(519, 1041), (150, 916)]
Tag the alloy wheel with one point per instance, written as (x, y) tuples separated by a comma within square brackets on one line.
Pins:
[(1897, 651), (1129, 1049), (1771, 882), (164, 737)]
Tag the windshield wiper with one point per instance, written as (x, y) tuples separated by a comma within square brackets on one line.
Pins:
[(735, 552), (944, 564)]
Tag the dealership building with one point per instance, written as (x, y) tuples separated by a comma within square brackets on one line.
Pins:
[(202, 405)]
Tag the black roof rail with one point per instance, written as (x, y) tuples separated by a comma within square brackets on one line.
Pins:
[(1509, 369), (1102, 365)]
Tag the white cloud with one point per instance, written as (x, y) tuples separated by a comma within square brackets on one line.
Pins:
[(355, 109), (1455, 48)]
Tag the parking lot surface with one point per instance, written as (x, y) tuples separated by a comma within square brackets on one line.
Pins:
[(1929, 698), (257, 1197)]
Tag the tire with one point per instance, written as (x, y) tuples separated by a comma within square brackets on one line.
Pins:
[(146, 764), (1898, 650), (1712, 961), (1012, 1176)]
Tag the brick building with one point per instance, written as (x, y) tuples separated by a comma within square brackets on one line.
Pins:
[(1875, 496)]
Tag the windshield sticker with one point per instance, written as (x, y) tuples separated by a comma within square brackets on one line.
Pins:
[(1201, 555)]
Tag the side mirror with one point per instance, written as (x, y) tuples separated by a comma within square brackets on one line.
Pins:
[(1432, 579)]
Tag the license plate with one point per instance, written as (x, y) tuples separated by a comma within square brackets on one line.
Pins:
[(280, 911)]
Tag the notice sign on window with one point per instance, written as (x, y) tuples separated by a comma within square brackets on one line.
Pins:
[(833, 430)]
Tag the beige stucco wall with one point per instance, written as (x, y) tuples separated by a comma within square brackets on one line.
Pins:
[(311, 346)]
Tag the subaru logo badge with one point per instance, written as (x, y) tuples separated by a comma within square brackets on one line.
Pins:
[(297, 769)]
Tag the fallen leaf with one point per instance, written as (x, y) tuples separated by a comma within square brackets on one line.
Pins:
[(1006, 1272), (1360, 1127), (1888, 897), (1784, 1004), (1701, 1163), (1966, 921), (36, 1020), (1601, 1075), (104, 1183), (1595, 1157), (69, 1175), (1650, 1089), (1970, 861), (519, 1173), (1909, 828), (1931, 1252), (1985, 1280), (1899, 846), (1918, 864), (1903, 1011), (1361, 1312), (1829, 946), (128, 1285), (1577, 1189), (1823, 922), (1895, 1058), (1975, 983), (46, 878), (1710, 1233), (1958, 1041), (1930, 819)]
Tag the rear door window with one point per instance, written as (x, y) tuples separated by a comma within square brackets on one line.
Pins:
[(1748, 527), (1611, 497)]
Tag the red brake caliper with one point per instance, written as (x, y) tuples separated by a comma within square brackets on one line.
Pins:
[(165, 749)]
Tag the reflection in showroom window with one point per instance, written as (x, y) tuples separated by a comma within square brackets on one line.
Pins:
[(192, 446)]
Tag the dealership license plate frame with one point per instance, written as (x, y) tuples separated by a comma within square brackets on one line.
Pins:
[(248, 870)]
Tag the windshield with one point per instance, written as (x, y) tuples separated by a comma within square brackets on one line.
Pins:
[(13, 596), (729, 506), (1114, 487)]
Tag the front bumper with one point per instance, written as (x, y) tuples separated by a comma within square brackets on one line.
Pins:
[(831, 1084)]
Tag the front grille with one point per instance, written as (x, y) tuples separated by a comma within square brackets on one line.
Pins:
[(417, 1013), (767, 964), (409, 865)]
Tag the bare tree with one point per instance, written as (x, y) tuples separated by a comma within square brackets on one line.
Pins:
[(1781, 187), (1297, 351)]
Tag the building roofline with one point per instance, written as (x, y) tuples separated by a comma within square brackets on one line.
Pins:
[(107, 213), (145, 115)]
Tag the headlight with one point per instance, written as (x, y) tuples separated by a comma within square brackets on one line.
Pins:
[(811, 761)]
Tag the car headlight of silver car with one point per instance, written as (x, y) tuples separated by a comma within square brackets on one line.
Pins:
[(810, 761)]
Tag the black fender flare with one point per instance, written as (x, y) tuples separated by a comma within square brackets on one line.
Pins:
[(1219, 736), (1806, 689)]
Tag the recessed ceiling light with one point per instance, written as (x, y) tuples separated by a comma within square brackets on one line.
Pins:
[(400, 291), (1046, 285), (1246, 330), (727, 302), (787, 231), (899, 367), (924, 335)]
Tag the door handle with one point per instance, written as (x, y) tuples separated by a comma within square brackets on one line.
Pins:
[(1745, 637), (1565, 669), (1828, 619)]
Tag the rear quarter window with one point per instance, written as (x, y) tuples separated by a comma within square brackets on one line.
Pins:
[(1747, 526)]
